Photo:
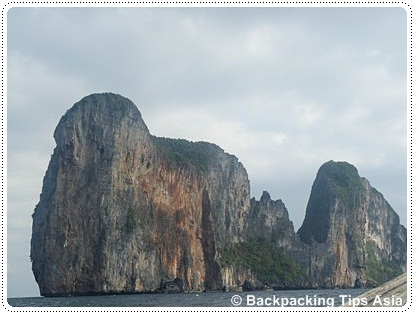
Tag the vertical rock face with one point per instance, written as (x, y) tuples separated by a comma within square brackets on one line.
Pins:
[(124, 211), (353, 234)]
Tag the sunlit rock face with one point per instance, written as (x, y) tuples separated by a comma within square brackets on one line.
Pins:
[(353, 234), (124, 211)]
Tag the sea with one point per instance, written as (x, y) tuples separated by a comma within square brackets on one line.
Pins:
[(263, 299)]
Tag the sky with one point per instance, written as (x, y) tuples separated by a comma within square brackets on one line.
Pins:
[(283, 89)]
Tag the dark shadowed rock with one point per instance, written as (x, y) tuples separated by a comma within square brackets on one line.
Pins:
[(354, 236)]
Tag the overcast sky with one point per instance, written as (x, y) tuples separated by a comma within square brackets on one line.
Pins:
[(283, 89)]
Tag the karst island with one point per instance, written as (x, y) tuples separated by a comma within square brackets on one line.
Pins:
[(124, 211)]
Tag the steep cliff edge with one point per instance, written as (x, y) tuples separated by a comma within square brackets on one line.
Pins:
[(124, 211), (354, 236)]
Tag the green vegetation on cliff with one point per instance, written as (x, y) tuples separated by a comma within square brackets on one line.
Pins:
[(378, 271), (345, 181), (269, 263), (198, 154)]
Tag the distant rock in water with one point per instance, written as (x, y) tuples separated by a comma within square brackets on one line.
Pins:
[(354, 236), (123, 211)]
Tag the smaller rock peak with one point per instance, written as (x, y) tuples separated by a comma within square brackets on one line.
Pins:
[(265, 197)]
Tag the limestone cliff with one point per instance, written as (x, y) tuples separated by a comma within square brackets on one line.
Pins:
[(124, 211), (353, 234)]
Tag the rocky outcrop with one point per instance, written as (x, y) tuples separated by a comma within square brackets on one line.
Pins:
[(353, 234), (124, 211), (271, 255), (269, 220)]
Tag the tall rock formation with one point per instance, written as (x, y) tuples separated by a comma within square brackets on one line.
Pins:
[(124, 211), (354, 236)]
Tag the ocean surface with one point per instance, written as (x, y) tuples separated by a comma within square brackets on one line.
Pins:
[(290, 298)]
